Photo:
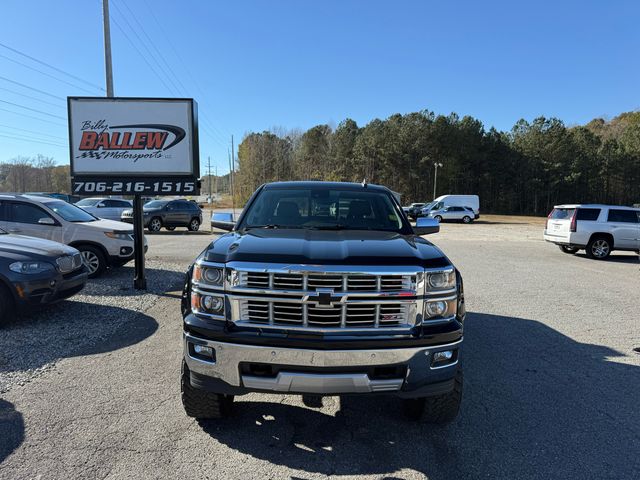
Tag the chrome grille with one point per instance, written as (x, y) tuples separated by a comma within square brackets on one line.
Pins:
[(349, 282), (359, 314), (68, 263)]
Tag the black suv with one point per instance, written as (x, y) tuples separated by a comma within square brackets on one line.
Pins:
[(168, 214), (35, 272), (323, 289)]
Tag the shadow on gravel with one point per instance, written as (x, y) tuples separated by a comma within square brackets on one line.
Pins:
[(72, 330), (537, 404), (119, 282), (11, 429)]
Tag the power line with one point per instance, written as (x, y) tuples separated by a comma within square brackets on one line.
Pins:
[(31, 131), (50, 66), (133, 15), (115, 22), (174, 88), (33, 110), (31, 88), (184, 66), (30, 140), (44, 73), (31, 116), (32, 97)]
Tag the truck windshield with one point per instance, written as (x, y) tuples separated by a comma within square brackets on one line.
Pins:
[(324, 209)]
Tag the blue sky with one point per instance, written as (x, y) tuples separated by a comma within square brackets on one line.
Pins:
[(253, 65)]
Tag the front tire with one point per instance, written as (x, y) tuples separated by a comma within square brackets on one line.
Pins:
[(438, 409), (93, 259), (438, 218), (466, 219), (194, 225), (155, 224), (201, 404), (599, 248), (569, 250)]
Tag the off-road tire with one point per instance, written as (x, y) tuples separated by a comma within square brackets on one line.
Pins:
[(194, 225), (201, 404), (595, 245), (94, 260), (569, 250), (155, 224), (439, 409)]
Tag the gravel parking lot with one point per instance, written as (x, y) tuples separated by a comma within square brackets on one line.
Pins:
[(89, 388)]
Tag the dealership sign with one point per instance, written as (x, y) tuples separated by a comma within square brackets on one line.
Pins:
[(146, 146)]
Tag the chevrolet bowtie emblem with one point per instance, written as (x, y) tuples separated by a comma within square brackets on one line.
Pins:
[(324, 298)]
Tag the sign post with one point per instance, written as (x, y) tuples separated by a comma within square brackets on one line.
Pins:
[(134, 146)]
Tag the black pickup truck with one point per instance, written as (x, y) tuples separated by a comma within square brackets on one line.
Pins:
[(323, 289)]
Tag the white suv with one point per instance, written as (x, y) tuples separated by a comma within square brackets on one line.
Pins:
[(103, 243), (599, 229), (107, 208)]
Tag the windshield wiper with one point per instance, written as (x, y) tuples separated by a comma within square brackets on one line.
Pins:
[(337, 226), (269, 226)]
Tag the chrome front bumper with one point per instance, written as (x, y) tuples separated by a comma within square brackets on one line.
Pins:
[(229, 356)]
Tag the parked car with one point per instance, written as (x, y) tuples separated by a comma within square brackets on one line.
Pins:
[(36, 272), (168, 214), (103, 243), (413, 210), (470, 201), (598, 229), (303, 300), (461, 214), (60, 196), (107, 208)]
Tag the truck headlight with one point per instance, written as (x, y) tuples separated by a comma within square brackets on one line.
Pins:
[(440, 308), (441, 280), (31, 267), (211, 304), (208, 275)]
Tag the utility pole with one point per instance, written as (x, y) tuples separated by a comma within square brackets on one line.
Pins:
[(435, 177), (209, 175), (231, 167), (139, 279), (108, 69)]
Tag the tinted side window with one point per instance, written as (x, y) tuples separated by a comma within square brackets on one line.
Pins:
[(3, 212), (625, 216), (110, 203), (121, 204), (590, 214), (26, 213)]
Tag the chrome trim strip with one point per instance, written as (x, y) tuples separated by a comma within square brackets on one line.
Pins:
[(230, 355), (330, 383)]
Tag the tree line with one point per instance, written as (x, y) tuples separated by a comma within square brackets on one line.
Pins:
[(34, 174), (523, 171)]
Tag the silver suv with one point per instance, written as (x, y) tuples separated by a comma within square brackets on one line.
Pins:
[(102, 243), (598, 229)]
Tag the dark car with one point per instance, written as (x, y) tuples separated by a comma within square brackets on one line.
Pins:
[(36, 272), (302, 299), (168, 214)]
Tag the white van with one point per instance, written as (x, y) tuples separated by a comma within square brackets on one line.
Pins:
[(471, 201)]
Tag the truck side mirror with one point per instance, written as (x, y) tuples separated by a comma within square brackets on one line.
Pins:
[(223, 221), (426, 226)]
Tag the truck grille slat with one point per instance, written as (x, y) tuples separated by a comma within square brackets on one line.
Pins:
[(360, 315)]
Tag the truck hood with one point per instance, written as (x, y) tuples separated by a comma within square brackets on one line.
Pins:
[(345, 247), (31, 246)]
